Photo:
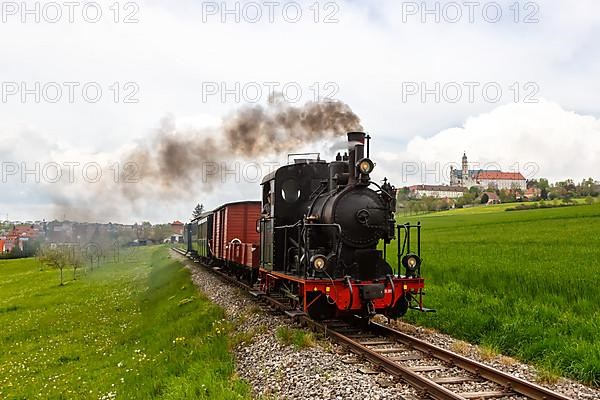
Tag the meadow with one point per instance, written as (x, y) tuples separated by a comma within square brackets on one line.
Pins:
[(523, 283), (132, 329)]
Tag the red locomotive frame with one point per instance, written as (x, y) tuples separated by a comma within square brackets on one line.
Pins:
[(347, 297)]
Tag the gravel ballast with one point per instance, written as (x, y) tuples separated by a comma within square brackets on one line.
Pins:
[(325, 370)]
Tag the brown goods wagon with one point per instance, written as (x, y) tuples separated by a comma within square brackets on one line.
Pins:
[(234, 232)]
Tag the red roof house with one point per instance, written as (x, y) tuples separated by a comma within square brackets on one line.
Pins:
[(177, 227)]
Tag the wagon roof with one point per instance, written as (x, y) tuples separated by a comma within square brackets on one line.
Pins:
[(237, 202), (199, 217)]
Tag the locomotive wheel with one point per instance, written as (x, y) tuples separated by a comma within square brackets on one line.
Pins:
[(320, 309), (400, 308)]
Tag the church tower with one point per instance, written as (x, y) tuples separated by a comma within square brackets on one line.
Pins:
[(465, 167)]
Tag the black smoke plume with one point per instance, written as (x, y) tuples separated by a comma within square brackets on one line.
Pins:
[(174, 159), (168, 165)]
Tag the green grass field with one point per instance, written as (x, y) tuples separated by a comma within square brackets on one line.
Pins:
[(524, 283), (131, 330)]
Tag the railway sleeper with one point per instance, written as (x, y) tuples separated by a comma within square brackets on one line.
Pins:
[(376, 343), (408, 357), (361, 336), (389, 350), (453, 379), (486, 395), (427, 368)]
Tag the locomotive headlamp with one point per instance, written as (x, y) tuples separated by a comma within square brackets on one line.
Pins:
[(318, 262), (411, 262), (365, 166)]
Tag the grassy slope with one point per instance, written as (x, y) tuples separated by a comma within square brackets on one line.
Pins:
[(523, 282), (120, 329)]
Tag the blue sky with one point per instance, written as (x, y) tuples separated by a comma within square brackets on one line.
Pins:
[(370, 55)]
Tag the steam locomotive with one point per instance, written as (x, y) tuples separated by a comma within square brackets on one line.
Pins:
[(318, 238)]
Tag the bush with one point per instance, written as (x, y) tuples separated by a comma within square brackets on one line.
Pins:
[(533, 206)]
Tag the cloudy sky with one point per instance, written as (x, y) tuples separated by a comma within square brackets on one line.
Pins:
[(515, 85)]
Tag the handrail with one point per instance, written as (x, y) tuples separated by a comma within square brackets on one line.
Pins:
[(389, 278), (351, 290)]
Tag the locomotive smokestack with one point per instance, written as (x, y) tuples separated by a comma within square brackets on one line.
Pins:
[(356, 150), (355, 138)]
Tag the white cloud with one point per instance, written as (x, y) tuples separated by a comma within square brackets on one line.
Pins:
[(539, 140)]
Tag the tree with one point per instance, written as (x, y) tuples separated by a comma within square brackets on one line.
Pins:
[(475, 190), (38, 257), (543, 185), (160, 232), (466, 199), (507, 196), (198, 210), (589, 200), (587, 187), (404, 193), (126, 235), (146, 227), (55, 258), (76, 261), (16, 251)]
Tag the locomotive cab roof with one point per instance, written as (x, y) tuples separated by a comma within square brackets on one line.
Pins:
[(297, 162), (269, 177)]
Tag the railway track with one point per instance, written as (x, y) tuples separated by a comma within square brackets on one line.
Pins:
[(435, 372)]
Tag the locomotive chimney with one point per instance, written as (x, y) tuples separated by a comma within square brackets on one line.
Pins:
[(356, 151)]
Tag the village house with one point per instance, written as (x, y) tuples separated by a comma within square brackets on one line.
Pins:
[(17, 236), (177, 227), (489, 198), (532, 193), (439, 191)]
